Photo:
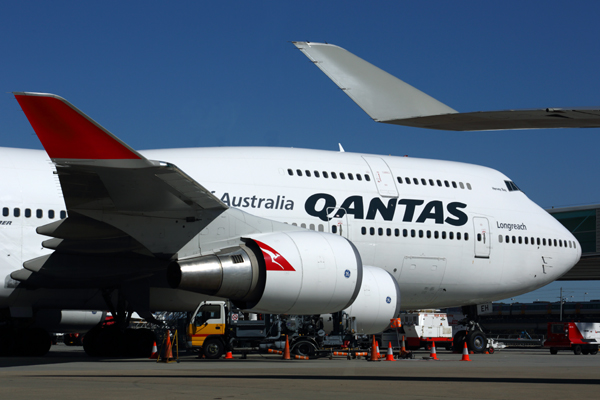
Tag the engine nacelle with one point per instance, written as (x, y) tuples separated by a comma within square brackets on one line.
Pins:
[(68, 321), (377, 303), (299, 272)]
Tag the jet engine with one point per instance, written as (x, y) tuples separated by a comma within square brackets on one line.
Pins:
[(377, 302), (299, 272)]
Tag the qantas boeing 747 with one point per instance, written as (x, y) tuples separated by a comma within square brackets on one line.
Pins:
[(92, 224)]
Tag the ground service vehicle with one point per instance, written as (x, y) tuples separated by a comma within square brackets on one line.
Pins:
[(218, 326), (581, 337), (422, 328)]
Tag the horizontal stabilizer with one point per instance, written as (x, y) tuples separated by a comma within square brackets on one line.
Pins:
[(389, 100)]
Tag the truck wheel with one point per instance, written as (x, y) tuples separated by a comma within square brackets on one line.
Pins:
[(553, 350), (304, 348), (477, 341), (213, 349), (594, 350), (585, 352), (459, 341), (577, 349)]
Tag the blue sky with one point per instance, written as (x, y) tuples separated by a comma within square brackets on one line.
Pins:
[(182, 74)]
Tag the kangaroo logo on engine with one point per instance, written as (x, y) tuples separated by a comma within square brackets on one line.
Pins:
[(324, 206), (273, 260)]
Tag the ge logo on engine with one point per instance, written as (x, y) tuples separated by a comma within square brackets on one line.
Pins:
[(388, 299), (347, 273)]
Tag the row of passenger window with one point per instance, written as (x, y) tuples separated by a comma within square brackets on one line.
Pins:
[(311, 226), (537, 241), (431, 182), (326, 175), (27, 213), (415, 233)]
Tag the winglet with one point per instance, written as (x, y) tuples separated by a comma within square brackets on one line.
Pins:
[(67, 133), (381, 95)]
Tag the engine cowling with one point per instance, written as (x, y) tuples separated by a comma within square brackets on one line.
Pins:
[(376, 304), (299, 272), (68, 321)]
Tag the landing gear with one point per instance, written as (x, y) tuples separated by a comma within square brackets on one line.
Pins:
[(113, 339), (28, 342), (476, 340)]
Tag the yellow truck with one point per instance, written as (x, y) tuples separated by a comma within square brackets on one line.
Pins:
[(217, 326)]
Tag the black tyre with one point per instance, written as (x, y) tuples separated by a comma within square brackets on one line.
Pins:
[(577, 349), (477, 342), (7, 342), (34, 342), (585, 352), (304, 348), (213, 348), (553, 350), (458, 342), (138, 342), (594, 350), (89, 342), (110, 342)]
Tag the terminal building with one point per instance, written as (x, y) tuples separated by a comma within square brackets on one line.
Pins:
[(584, 223)]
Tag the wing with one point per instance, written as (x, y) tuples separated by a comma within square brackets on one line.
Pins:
[(387, 99), (118, 202)]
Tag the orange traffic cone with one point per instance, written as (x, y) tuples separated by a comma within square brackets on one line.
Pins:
[(154, 354), (390, 353), (403, 348), (465, 354), (433, 353), (229, 356), (286, 351), (167, 350), (374, 355), (377, 345)]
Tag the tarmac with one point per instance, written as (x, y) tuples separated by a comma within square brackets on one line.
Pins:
[(67, 373)]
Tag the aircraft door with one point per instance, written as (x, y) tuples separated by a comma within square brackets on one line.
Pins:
[(482, 237), (338, 223), (382, 175)]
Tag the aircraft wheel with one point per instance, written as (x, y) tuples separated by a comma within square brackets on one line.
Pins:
[(138, 342), (90, 342), (477, 341), (110, 341), (459, 341), (7, 342), (34, 342)]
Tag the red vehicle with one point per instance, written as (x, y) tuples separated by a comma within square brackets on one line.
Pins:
[(580, 337)]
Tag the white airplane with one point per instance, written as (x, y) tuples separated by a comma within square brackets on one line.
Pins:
[(275, 230)]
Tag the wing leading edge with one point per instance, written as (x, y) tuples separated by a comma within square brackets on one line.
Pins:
[(389, 100)]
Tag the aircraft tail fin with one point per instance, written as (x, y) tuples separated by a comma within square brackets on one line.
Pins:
[(68, 133), (389, 100)]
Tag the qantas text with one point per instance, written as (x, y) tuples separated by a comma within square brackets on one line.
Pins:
[(324, 206)]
